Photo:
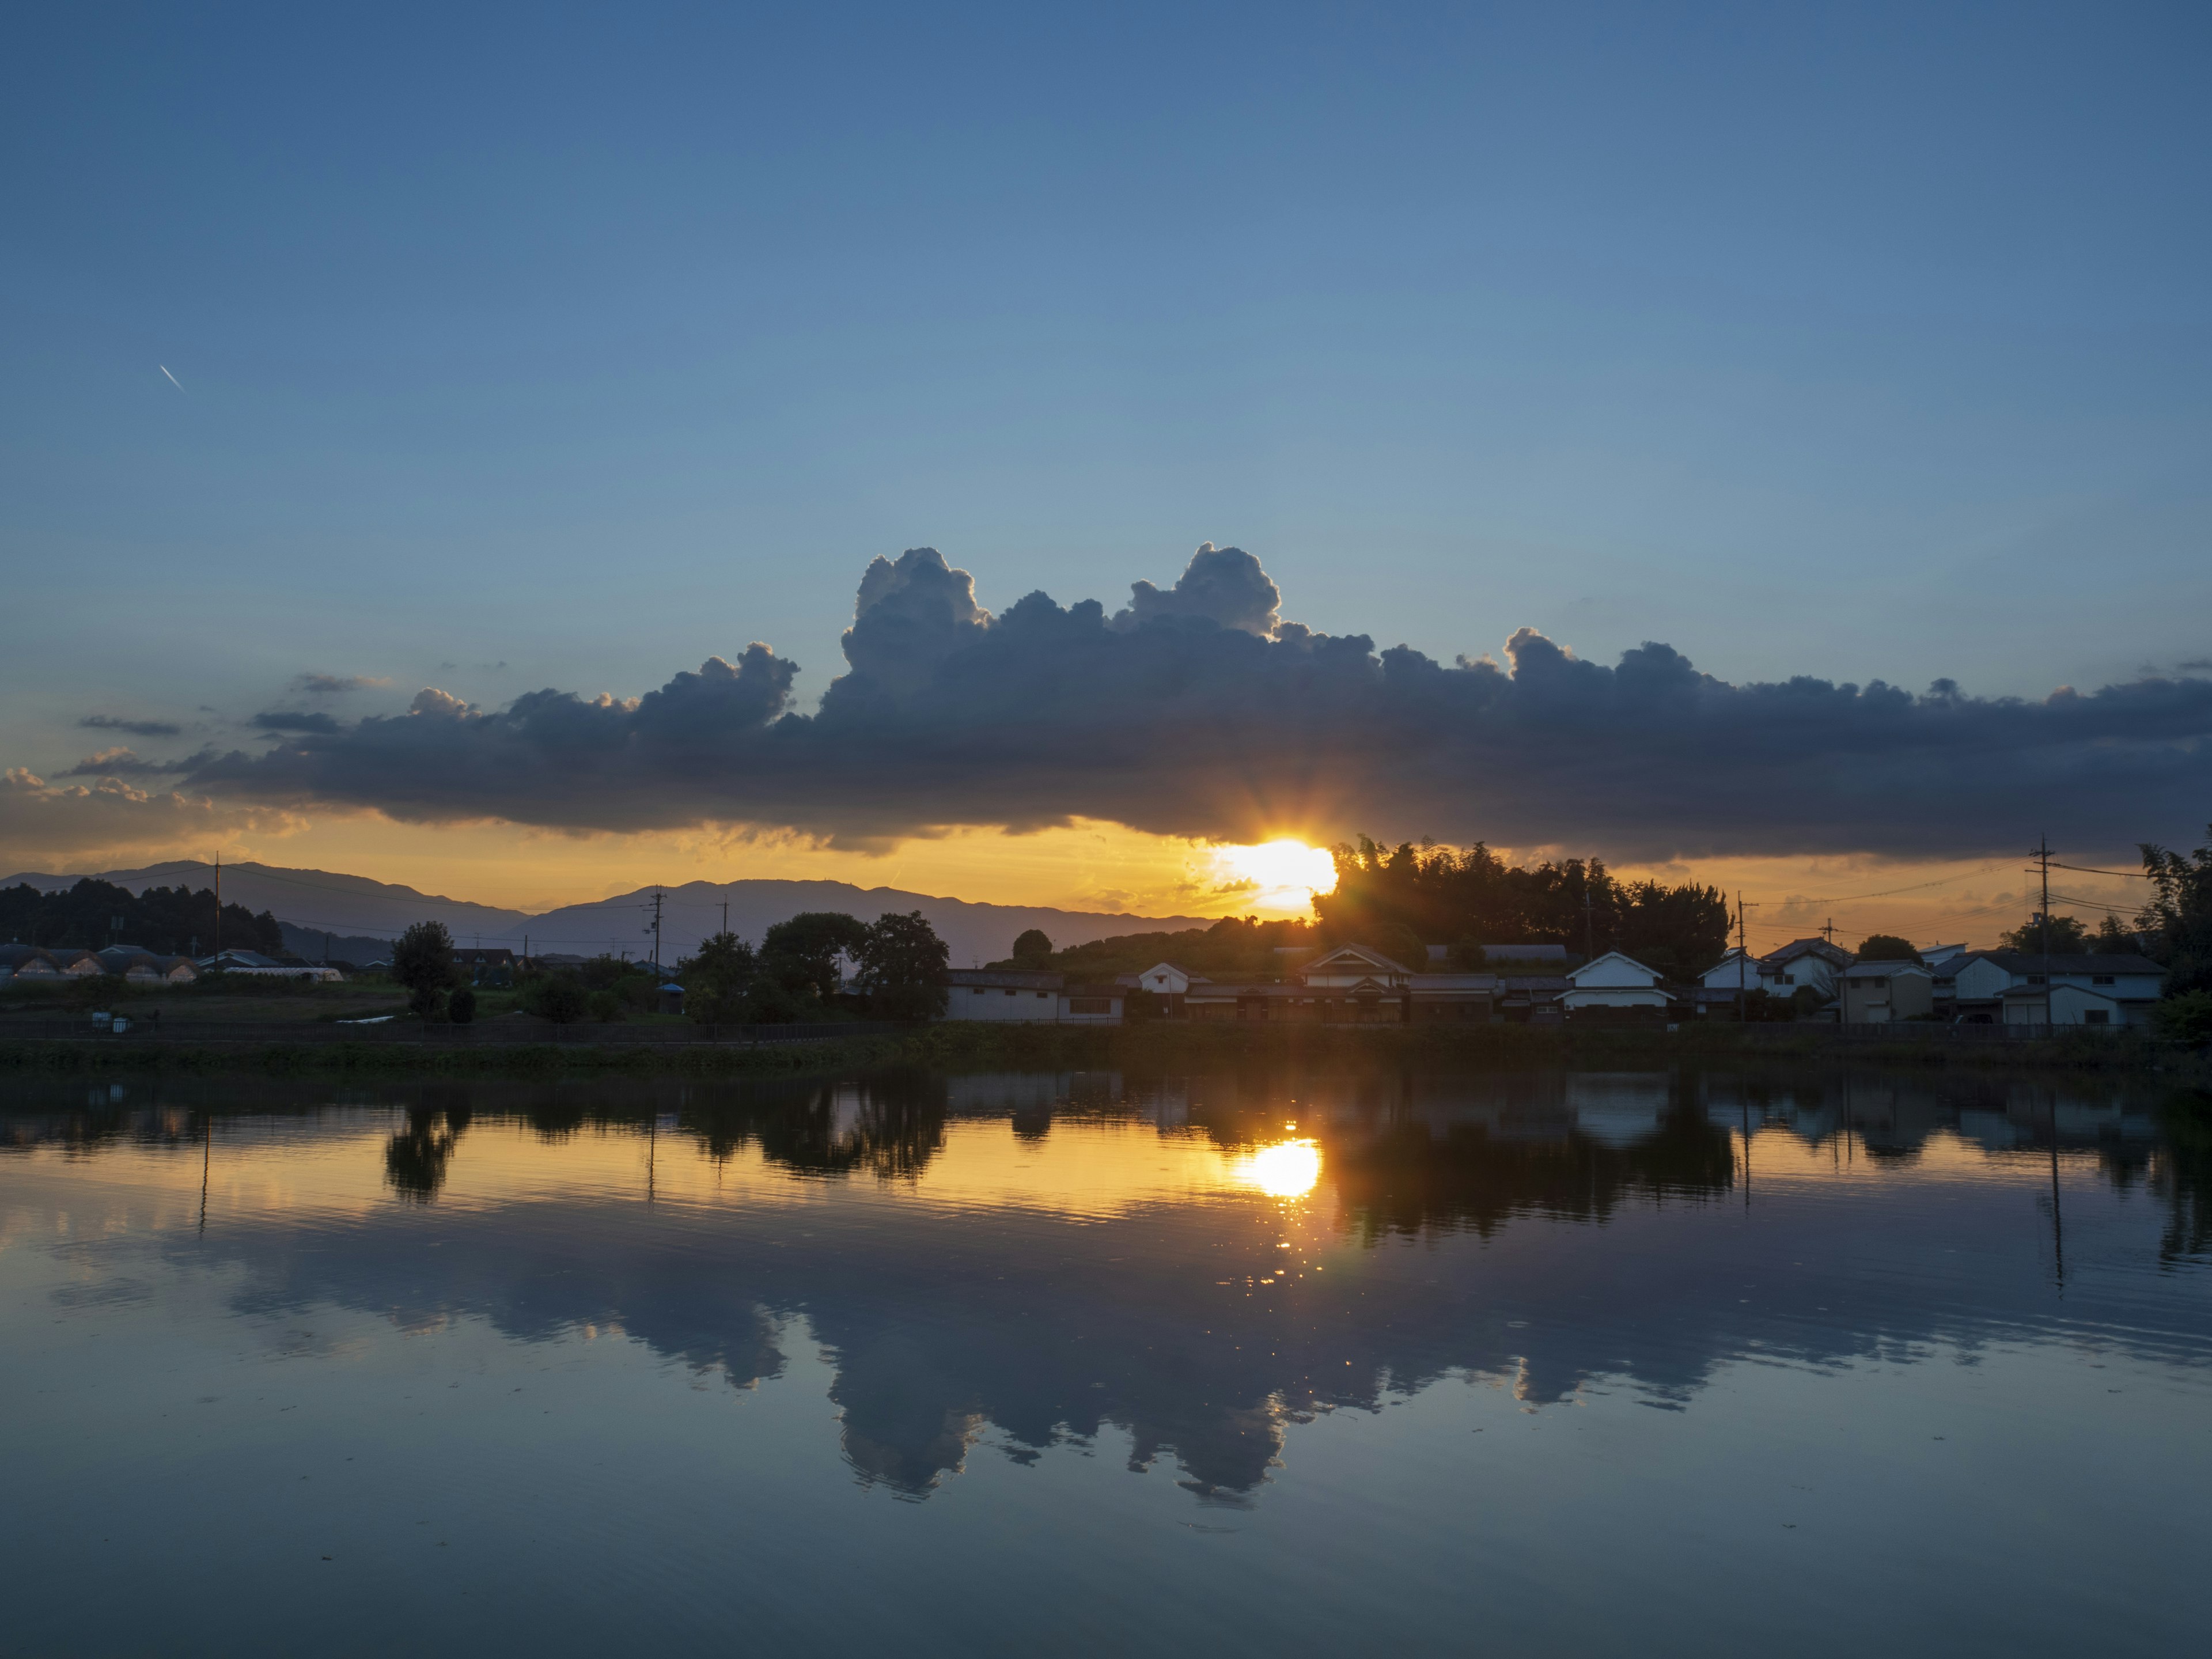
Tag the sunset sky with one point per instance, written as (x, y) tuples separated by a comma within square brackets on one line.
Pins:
[(366, 372)]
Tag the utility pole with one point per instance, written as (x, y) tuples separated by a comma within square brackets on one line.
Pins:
[(218, 907), (1742, 958), (725, 912), (656, 930), (2041, 853)]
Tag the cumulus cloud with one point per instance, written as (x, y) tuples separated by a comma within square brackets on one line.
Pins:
[(136, 728), (60, 827), (1223, 585), (1194, 712), (335, 685)]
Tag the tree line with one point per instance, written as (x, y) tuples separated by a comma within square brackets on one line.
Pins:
[(1399, 900), (170, 921), (796, 973)]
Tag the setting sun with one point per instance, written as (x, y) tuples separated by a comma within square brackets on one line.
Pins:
[(1282, 874)]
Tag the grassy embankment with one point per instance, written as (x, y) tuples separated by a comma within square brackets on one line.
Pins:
[(1148, 1048)]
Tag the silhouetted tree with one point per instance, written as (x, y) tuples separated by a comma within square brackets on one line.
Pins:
[(718, 981), (2178, 918), (902, 968), (2068, 937), (1033, 945), (422, 962), (800, 956), (1886, 947)]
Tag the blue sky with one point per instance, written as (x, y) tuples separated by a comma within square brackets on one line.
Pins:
[(1854, 342)]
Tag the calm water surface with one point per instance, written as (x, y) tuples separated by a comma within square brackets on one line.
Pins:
[(1810, 1362)]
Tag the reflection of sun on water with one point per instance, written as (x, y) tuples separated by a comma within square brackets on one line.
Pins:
[(1289, 1168), (1277, 875)]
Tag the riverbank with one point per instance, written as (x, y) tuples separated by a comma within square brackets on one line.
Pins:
[(1152, 1047)]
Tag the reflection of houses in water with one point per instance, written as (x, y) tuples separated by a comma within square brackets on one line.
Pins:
[(1021, 1334), (1896, 1116)]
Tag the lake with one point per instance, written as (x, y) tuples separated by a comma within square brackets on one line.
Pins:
[(1792, 1359)]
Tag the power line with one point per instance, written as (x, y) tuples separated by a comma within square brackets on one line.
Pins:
[(2131, 875)]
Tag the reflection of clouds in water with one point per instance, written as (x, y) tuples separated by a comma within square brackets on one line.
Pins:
[(1053, 1311)]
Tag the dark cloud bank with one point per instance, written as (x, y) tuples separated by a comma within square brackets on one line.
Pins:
[(1197, 711)]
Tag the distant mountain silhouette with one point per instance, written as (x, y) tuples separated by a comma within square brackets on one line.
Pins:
[(313, 903)]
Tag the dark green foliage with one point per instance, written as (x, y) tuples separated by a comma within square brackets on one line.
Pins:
[(2068, 937), (2116, 939), (1235, 947), (167, 921), (718, 981), (2186, 1018), (461, 1006), (1034, 945), (1436, 894), (901, 963), (800, 956), (422, 962), (606, 1005), (2178, 918), (559, 997), (1886, 947)]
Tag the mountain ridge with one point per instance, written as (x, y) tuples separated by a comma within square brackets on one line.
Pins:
[(316, 903)]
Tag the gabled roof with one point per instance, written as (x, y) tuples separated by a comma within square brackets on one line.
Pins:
[(1358, 953), (2031, 962), (1005, 979), (1833, 955), (1576, 974)]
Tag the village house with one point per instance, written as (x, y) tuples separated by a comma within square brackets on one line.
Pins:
[(1884, 993), (1616, 986), (1352, 985), (1166, 980), (2012, 987), (1013, 995), (485, 966), (1802, 962)]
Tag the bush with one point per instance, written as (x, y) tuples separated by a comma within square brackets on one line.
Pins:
[(606, 1006), (558, 997), (461, 1006), (2185, 1019)]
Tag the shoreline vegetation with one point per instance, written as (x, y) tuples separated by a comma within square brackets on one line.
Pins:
[(1150, 1047)]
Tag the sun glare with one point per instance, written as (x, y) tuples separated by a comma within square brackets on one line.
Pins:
[(1289, 1168), (1282, 874)]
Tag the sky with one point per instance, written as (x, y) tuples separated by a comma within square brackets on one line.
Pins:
[(353, 353)]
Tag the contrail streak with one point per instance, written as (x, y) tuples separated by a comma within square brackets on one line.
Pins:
[(174, 380)]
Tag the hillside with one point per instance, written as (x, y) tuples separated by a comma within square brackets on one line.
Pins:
[(361, 912)]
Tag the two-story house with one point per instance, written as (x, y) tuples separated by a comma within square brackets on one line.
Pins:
[(2024, 987)]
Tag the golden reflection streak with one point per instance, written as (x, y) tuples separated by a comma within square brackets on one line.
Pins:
[(1288, 1168)]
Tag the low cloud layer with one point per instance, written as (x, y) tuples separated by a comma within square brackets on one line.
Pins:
[(1196, 710), (136, 728), (67, 826)]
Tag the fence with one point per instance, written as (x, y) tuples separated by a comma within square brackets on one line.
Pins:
[(492, 1034)]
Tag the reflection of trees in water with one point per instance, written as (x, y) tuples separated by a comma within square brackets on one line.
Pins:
[(1410, 1178), (2181, 1174), (889, 1126), (415, 1160)]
